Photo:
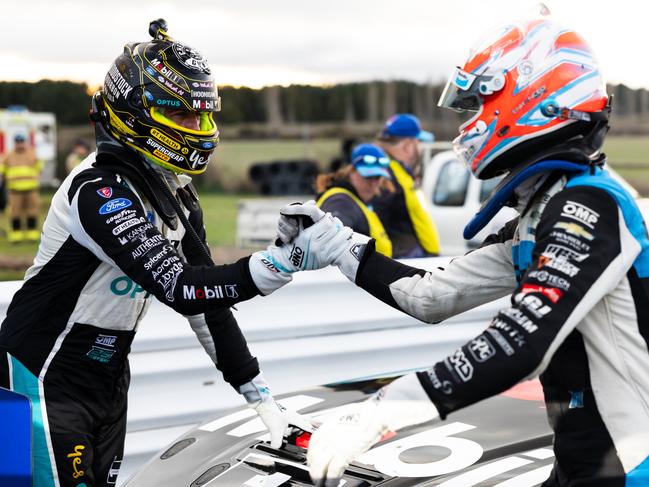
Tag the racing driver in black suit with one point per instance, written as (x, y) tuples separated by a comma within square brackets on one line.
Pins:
[(126, 225), (575, 263)]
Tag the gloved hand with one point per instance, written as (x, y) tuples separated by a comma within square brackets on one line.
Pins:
[(313, 248), (276, 418), (288, 225), (357, 427), (346, 255)]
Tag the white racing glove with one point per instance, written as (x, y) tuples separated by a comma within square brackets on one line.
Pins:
[(345, 253), (318, 235), (359, 426), (276, 418), (288, 225)]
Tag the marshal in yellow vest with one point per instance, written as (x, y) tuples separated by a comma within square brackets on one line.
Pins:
[(377, 232), (425, 229)]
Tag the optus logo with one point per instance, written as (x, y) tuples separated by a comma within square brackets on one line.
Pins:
[(121, 286)]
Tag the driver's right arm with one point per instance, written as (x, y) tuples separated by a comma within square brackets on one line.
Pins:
[(117, 231)]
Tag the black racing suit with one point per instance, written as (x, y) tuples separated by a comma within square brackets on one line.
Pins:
[(576, 264), (105, 251)]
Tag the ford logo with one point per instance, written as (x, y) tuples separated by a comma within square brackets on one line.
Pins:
[(114, 205)]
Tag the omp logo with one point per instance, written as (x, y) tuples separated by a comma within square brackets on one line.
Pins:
[(579, 212), (164, 139), (297, 255), (106, 340)]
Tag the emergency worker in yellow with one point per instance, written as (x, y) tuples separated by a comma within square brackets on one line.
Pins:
[(20, 170), (403, 212), (345, 193)]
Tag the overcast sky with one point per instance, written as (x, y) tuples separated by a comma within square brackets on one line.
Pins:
[(262, 42)]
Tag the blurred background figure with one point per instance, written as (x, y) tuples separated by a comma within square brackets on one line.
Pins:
[(346, 193), (80, 150), (403, 211), (20, 171)]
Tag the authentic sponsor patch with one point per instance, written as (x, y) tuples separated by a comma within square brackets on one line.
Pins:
[(114, 205), (581, 213), (552, 293), (105, 192), (574, 229)]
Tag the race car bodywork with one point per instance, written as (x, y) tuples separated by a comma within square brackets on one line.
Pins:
[(503, 441)]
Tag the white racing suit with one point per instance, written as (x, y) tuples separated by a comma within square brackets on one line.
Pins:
[(104, 253), (576, 263)]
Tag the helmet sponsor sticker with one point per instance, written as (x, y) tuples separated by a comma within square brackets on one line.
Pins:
[(105, 192), (168, 154), (164, 139), (197, 160), (203, 94), (114, 205), (116, 85), (203, 104), (190, 57)]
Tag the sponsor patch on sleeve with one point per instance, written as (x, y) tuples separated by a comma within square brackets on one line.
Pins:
[(105, 192), (114, 205)]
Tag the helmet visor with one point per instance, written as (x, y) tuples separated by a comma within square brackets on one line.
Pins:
[(464, 91), (189, 121)]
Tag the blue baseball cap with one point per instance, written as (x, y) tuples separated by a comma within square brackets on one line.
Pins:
[(369, 160), (20, 138), (405, 125)]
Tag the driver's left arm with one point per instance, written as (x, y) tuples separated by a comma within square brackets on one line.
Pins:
[(576, 263)]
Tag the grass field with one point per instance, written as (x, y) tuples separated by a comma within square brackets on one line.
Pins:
[(627, 150), (630, 155)]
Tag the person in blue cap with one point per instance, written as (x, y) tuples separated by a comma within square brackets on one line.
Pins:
[(410, 227), (346, 193)]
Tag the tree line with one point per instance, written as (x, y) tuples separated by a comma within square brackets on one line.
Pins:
[(341, 103)]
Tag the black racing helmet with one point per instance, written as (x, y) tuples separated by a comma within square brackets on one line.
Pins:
[(144, 90)]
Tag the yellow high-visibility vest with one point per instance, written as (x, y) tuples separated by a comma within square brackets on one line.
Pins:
[(425, 229), (21, 171), (377, 232)]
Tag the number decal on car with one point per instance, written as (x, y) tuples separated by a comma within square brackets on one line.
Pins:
[(463, 453)]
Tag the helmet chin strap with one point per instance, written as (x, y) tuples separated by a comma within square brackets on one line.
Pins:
[(173, 180)]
